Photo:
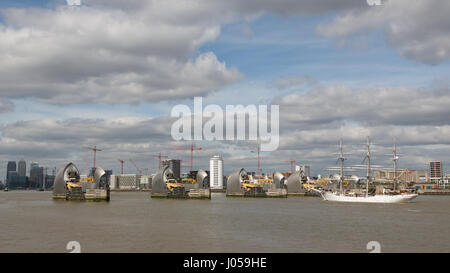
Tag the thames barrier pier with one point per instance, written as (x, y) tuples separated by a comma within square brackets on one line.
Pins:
[(277, 188), (295, 184), (165, 185), (239, 185), (68, 185)]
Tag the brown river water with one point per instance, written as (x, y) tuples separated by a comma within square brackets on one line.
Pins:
[(31, 221)]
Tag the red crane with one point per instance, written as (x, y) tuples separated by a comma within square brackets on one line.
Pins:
[(121, 163), (137, 168), (159, 156), (87, 166), (192, 148), (93, 149), (258, 152), (292, 161)]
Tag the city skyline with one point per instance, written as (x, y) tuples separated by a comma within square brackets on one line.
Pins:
[(108, 73), (184, 169)]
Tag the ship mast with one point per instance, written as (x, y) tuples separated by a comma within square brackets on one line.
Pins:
[(368, 166), (341, 158), (395, 159)]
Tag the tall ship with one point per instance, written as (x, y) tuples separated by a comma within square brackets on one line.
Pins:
[(379, 195)]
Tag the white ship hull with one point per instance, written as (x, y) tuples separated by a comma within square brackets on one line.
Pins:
[(381, 198)]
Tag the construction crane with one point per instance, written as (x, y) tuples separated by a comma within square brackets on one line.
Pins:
[(137, 168), (258, 152), (87, 166), (121, 165), (292, 161), (192, 148), (95, 151), (159, 156)]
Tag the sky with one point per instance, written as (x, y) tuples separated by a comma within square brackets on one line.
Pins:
[(107, 73)]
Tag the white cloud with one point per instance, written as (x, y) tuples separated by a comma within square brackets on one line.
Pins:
[(338, 104), (219, 9), (117, 52), (67, 56), (73, 2), (420, 29), (6, 106)]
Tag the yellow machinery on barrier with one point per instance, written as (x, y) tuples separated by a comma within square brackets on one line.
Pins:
[(267, 181), (262, 179), (252, 188), (175, 188), (172, 185), (87, 179), (188, 180), (328, 182), (321, 181), (74, 186), (249, 186)]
